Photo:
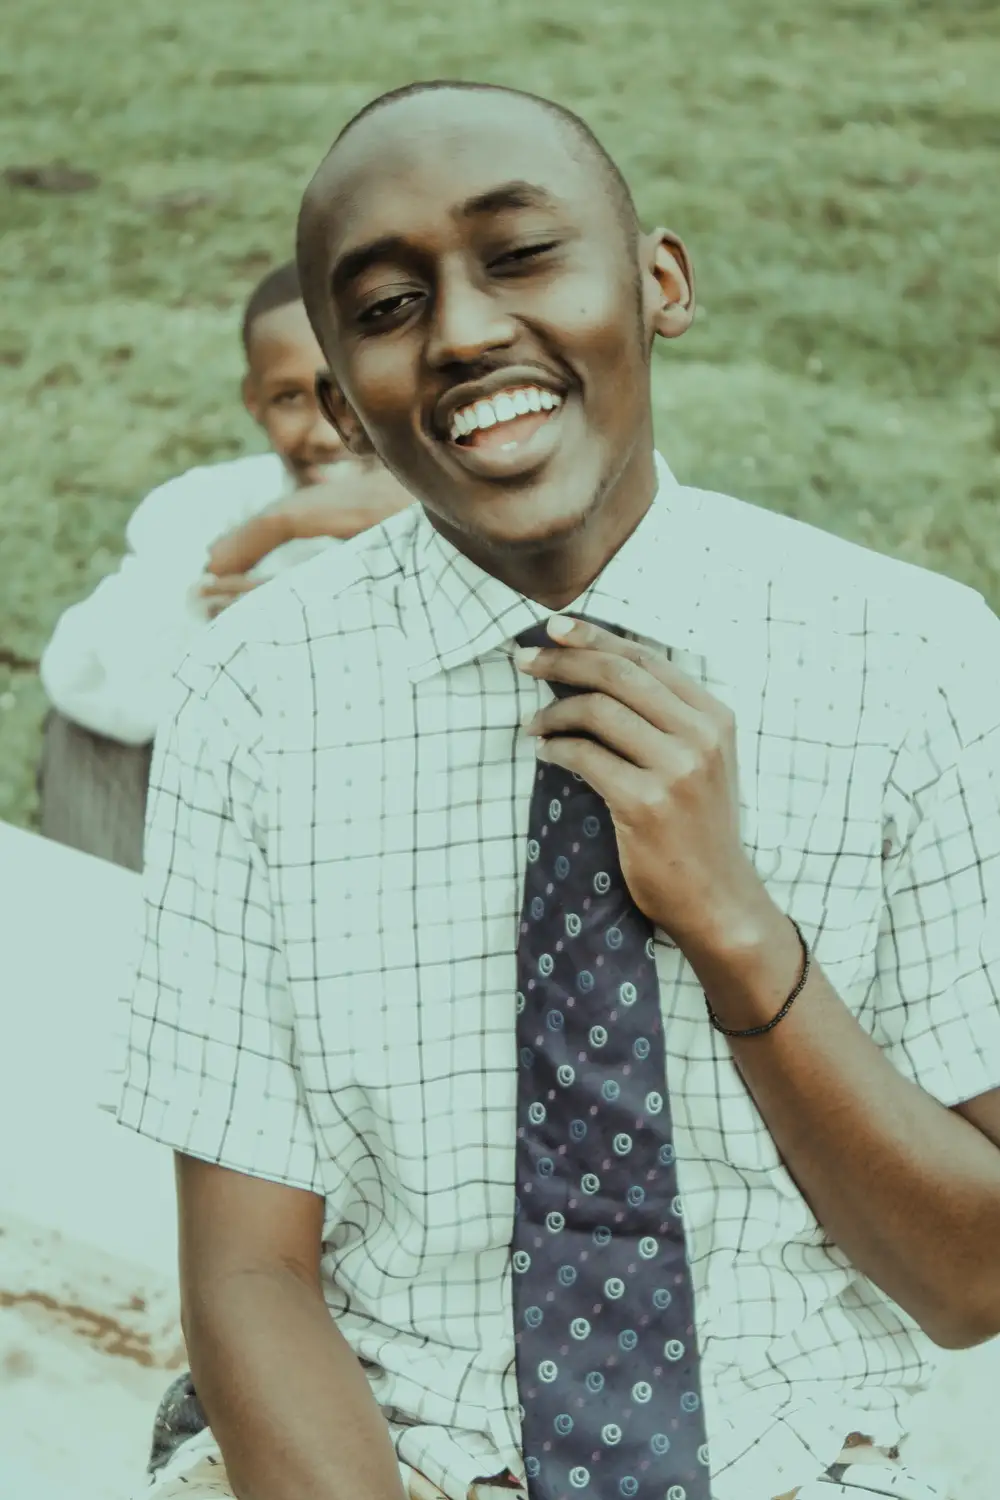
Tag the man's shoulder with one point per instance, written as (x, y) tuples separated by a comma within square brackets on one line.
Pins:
[(327, 599), (368, 568), (209, 496), (817, 572)]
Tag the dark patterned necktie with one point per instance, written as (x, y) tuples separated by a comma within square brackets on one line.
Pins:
[(607, 1355)]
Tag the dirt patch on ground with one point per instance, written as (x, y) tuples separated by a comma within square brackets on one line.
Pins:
[(102, 1332)]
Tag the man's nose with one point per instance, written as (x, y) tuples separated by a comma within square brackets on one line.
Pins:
[(469, 321), (323, 436)]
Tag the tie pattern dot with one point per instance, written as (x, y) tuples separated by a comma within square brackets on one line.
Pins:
[(606, 1349)]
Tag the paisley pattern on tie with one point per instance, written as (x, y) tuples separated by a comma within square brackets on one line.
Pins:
[(607, 1355)]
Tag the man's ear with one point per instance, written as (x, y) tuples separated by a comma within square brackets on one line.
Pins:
[(248, 390), (668, 281), (341, 415)]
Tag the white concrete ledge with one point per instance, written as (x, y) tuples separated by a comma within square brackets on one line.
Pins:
[(69, 1174), (67, 925)]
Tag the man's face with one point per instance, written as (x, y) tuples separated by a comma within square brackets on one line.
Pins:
[(280, 393), (482, 316)]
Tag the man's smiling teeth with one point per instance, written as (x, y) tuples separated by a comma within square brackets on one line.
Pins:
[(504, 407)]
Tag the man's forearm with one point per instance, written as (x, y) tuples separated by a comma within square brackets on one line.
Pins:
[(286, 1398), (342, 520), (905, 1187)]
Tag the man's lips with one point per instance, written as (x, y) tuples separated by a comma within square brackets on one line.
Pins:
[(508, 457), (505, 431), (511, 378)]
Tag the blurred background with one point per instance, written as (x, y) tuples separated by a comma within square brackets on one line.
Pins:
[(833, 165)]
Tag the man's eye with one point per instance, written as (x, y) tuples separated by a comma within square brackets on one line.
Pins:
[(385, 309), (523, 253), (289, 398)]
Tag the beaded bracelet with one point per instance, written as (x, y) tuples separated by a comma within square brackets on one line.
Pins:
[(783, 1012)]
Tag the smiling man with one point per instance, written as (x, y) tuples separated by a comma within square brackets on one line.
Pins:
[(579, 1035)]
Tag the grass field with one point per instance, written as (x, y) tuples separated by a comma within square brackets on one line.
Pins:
[(834, 165)]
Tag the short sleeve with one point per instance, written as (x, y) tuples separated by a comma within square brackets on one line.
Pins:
[(938, 958), (209, 1062)]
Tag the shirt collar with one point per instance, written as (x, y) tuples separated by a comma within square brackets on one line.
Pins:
[(655, 586)]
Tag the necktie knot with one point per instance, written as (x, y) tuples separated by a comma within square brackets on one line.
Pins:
[(537, 635)]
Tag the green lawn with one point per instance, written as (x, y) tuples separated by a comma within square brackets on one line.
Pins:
[(833, 164)]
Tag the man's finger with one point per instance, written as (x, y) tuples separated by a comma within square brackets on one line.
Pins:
[(417, 1487), (241, 549), (567, 630), (608, 721), (218, 593), (616, 675), (622, 786), (229, 587)]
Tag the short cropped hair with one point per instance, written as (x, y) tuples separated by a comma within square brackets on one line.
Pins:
[(611, 173), (279, 288)]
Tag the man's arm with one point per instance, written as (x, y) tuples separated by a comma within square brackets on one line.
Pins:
[(285, 1396), (909, 1190), (896, 1150), (358, 494), (107, 665), (211, 1071), (109, 661), (903, 1184)]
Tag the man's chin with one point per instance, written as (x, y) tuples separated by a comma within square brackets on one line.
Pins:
[(516, 525), (306, 476)]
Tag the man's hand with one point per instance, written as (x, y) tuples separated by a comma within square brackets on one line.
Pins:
[(357, 494), (419, 1488), (662, 753), (218, 593)]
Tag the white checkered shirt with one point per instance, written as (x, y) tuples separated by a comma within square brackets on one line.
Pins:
[(325, 989)]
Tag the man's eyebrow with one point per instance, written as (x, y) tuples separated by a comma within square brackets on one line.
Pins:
[(353, 263), (508, 197)]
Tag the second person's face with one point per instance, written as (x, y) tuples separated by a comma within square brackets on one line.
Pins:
[(280, 394)]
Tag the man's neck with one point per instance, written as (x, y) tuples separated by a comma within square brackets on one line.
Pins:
[(555, 576)]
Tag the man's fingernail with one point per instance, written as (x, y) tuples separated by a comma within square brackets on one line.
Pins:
[(542, 749), (525, 655), (528, 724), (560, 626)]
